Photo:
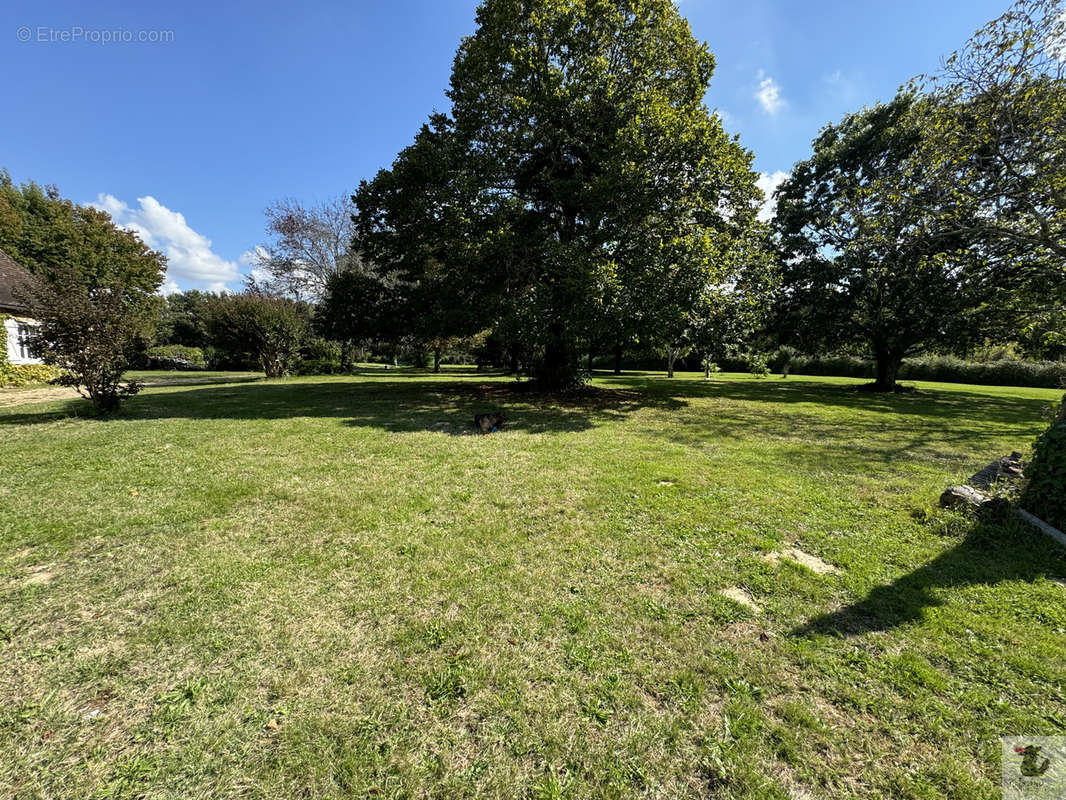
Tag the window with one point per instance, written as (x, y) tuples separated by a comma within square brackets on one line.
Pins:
[(23, 345)]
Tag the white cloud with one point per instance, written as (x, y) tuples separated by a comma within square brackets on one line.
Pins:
[(190, 258), (255, 259), (769, 94), (768, 183)]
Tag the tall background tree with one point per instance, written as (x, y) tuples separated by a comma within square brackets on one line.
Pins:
[(578, 173), (184, 319), (309, 244)]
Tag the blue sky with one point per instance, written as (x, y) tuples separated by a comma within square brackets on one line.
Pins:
[(188, 139)]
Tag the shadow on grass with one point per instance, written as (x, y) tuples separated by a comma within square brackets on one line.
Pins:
[(407, 399), (989, 554), (802, 423), (193, 379), (444, 406), (955, 403)]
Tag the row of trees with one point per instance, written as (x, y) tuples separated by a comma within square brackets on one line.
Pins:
[(579, 197)]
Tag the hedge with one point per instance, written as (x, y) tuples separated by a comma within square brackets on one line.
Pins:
[(945, 369), (175, 356), (1045, 491)]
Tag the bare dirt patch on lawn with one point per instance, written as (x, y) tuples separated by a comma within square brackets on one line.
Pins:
[(18, 397), (813, 563)]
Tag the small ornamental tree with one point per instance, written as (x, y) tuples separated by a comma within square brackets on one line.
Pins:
[(729, 313), (93, 333), (262, 328)]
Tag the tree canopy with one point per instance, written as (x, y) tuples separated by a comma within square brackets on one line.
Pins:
[(997, 138), (309, 245), (49, 235)]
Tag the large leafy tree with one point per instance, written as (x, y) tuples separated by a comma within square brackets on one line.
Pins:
[(359, 308), (184, 319), (433, 254), (579, 174), (873, 252), (1000, 140)]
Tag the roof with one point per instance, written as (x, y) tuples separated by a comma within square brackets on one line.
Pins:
[(11, 276)]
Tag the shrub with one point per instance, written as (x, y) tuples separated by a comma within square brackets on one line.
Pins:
[(315, 348), (259, 327), (1045, 490), (23, 374), (757, 365), (176, 356), (782, 358)]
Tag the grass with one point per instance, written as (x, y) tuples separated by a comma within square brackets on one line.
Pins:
[(325, 588)]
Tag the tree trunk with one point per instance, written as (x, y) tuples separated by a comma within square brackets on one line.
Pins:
[(436, 359), (346, 355), (272, 365), (618, 359), (558, 369), (590, 361), (888, 362), (671, 357)]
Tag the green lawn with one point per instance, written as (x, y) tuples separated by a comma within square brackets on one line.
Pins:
[(327, 587)]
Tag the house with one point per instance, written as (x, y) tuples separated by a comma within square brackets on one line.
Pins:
[(13, 312)]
